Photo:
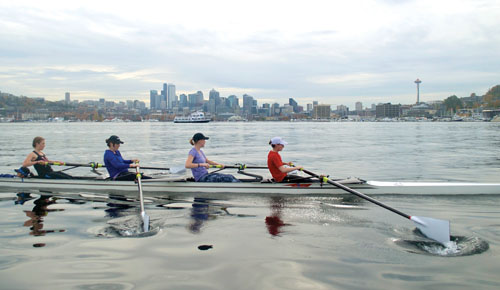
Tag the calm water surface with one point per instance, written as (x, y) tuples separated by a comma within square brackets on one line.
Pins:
[(92, 241)]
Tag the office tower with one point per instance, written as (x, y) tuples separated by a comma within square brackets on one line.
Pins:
[(359, 107), (309, 107), (294, 104), (183, 101), (67, 99), (164, 94), (213, 101), (234, 102), (418, 90), (171, 96), (247, 103), (153, 94)]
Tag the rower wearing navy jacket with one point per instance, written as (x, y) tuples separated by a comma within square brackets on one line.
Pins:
[(115, 164)]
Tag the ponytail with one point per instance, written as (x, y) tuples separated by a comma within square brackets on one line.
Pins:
[(191, 141)]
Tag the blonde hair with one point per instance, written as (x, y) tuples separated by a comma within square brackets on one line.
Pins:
[(37, 140)]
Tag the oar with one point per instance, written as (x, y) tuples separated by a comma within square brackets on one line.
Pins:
[(99, 165), (145, 217), (239, 166), (435, 229), (91, 164)]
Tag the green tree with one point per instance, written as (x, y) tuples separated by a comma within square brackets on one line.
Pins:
[(453, 103), (492, 97)]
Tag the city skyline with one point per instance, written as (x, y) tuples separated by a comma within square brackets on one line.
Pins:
[(334, 53)]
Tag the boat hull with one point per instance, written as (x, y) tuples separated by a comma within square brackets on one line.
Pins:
[(168, 185)]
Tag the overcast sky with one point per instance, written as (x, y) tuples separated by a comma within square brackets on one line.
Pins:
[(336, 52)]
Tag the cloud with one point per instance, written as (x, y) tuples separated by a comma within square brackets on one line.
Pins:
[(332, 51)]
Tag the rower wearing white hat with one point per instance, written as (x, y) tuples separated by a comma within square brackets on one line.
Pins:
[(276, 166)]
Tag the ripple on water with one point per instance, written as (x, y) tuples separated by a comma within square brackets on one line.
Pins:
[(458, 246)]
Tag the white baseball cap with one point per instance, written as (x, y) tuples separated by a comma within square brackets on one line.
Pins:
[(278, 140)]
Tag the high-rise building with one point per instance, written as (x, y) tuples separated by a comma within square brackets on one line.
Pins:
[(213, 101), (153, 94), (183, 101), (247, 103), (294, 105), (359, 107), (234, 102), (67, 99), (171, 96), (164, 94)]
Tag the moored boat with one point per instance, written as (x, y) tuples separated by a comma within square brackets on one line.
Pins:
[(195, 117)]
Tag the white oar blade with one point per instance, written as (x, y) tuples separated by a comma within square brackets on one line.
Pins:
[(145, 219), (435, 229), (177, 170)]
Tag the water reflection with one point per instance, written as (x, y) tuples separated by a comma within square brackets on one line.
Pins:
[(37, 214), (274, 223), (200, 213)]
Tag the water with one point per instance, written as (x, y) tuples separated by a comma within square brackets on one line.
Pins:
[(233, 241)]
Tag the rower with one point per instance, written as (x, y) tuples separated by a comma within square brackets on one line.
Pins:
[(199, 163), (277, 167), (39, 160), (115, 164)]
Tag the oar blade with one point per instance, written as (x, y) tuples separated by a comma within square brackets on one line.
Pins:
[(145, 220), (435, 229), (177, 170)]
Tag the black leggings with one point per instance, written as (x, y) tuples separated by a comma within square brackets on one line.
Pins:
[(129, 176), (57, 175), (295, 179)]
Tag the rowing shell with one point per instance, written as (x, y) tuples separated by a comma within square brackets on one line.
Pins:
[(181, 185)]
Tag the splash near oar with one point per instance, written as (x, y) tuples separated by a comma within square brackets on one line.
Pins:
[(435, 229), (145, 217)]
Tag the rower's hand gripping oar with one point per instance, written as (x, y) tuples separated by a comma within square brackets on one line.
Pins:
[(435, 229), (145, 217)]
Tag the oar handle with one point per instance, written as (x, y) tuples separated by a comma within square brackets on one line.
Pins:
[(348, 189)]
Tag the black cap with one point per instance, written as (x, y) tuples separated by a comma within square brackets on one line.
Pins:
[(114, 139), (198, 136)]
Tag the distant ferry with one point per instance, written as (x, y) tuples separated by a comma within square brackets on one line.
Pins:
[(196, 117)]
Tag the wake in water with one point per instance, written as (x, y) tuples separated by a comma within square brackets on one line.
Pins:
[(127, 226), (458, 246)]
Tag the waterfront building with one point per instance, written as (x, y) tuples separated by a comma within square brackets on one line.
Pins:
[(388, 110), (321, 112)]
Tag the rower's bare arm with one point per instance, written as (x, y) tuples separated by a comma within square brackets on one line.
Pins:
[(189, 162), (30, 160)]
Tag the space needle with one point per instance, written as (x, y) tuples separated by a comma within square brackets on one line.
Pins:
[(418, 90)]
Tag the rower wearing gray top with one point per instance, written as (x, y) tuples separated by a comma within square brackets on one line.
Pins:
[(198, 163)]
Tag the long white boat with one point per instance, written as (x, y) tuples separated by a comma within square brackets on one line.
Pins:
[(171, 184), (195, 117)]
